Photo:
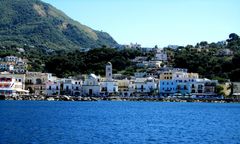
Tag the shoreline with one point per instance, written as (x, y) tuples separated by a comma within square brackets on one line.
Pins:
[(115, 98)]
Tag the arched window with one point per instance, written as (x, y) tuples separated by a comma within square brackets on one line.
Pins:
[(38, 81)]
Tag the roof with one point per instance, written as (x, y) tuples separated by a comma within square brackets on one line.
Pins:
[(92, 76), (109, 63), (140, 80)]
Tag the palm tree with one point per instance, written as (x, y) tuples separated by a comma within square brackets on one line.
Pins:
[(231, 88)]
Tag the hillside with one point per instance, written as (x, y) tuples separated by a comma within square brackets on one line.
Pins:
[(38, 24)]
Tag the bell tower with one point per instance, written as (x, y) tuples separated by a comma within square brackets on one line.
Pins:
[(109, 71)]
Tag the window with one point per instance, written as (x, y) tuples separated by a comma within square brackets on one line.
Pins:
[(57, 87), (38, 81)]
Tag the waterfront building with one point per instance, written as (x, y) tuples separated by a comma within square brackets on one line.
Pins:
[(204, 88), (91, 86), (11, 86), (236, 89), (71, 87), (36, 82), (145, 86), (126, 87), (52, 88), (109, 86), (167, 87), (18, 78), (177, 82)]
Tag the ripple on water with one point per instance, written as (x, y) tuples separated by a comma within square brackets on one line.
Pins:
[(118, 122)]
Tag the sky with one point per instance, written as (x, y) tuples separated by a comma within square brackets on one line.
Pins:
[(157, 22)]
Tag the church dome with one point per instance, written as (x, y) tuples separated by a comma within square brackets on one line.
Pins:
[(109, 63), (93, 76)]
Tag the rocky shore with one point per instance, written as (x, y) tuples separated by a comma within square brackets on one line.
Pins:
[(115, 98)]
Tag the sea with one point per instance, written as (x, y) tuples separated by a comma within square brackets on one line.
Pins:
[(114, 122)]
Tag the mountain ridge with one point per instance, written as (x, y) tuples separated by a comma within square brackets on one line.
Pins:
[(33, 22)]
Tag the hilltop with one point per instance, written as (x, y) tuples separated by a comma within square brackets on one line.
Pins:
[(38, 24)]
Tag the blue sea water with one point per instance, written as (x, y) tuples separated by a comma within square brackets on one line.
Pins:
[(118, 122)]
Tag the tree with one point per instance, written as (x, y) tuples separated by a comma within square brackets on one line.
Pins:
[(219, 90), (203, 43), (231, 87), (233, 37)]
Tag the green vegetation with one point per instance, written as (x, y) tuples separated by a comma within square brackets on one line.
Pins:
[(51, 42), (206, 60), (35, 23), (93, 61)]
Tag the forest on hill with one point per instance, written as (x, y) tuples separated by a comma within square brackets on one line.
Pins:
[(209, 60)]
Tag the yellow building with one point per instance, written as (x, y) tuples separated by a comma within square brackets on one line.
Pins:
[(166, 75)]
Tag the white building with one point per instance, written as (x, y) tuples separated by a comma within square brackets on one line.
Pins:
[(109, 86), (186, 84), (204, 88), (145, 85), (20, 67), (140, 74), (10, 86), (36, 81), (126, 87), (52, 88), (72, 87), (91, 86), (13, 64), (154, 64), (161, 55), (6, 67), (11, 59)]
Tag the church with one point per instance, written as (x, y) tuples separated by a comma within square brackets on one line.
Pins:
[(109, 86)]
